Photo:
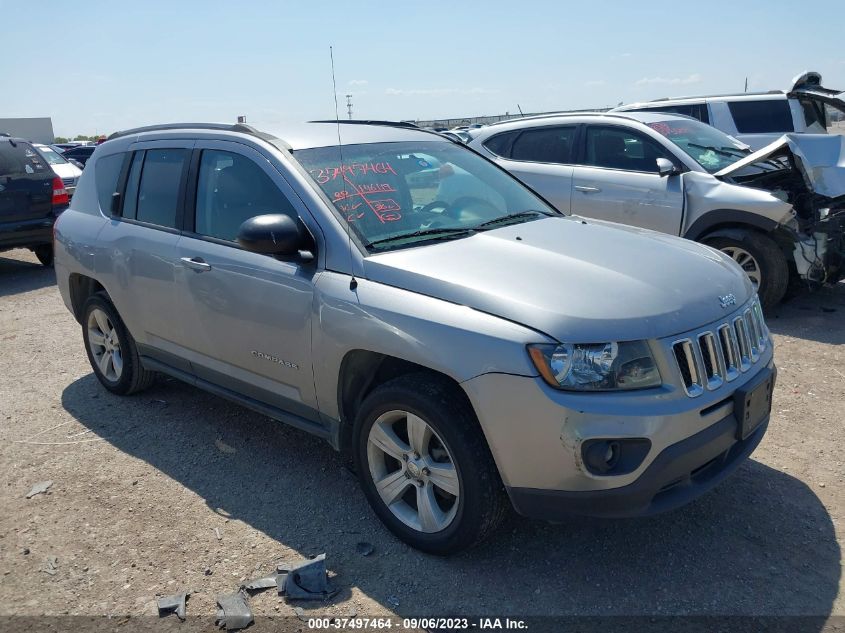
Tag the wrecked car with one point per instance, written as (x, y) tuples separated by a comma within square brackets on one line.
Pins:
[(777, 212), (760, 118), (466, 345)]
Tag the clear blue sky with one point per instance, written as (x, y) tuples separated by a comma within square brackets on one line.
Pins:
[(95, 66)]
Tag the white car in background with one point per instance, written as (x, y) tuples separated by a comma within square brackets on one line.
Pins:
[(760, 118), (61, 166)]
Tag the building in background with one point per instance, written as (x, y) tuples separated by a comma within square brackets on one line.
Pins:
[(36, 129)]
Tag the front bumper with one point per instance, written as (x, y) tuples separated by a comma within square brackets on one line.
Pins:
[(679, 474)]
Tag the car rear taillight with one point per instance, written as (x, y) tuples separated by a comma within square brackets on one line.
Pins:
[(60, 197)]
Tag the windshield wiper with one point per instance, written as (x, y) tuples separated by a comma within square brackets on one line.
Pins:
[(723, 151), (442, 231), (512, 216)]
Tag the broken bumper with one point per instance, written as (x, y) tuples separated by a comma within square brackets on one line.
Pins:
[(678, 475)]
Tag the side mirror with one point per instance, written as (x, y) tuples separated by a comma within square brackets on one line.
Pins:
[(275, 234), (76, 163), (666, 167)]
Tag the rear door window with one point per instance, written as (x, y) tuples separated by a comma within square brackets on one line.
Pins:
[(159, 189), (761, 117), (545, 145)]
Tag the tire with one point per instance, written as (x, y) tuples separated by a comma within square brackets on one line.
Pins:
[(766, 257), (44, 253), (455, 450), (103, 331)]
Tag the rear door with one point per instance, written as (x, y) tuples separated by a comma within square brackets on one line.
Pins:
[(26, 183), (541, 157), (142, 237), (617, 180), (248, 316)]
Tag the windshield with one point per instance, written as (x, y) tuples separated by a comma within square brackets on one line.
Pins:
[(396, 195), (51, 156), (710, 148)]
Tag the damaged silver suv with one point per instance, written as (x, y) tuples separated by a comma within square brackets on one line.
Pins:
[(425, 313), (779, 212)]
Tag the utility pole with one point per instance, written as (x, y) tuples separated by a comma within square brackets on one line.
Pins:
[(349, 106)]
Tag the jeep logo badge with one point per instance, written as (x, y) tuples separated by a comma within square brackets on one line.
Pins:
[(727, 301)]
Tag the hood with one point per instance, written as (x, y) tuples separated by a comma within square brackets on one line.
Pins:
[(820, 158), (576, 280)]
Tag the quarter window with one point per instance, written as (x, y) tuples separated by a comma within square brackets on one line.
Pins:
[(500, 144), (106, 175), (618, 148), (231, 189), (544, 145), (761, 117), (158, 191)]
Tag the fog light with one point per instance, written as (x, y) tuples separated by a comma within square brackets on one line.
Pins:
[(614, 456), (601, 456)]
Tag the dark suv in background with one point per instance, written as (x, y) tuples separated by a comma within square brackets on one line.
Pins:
[(31, 197)]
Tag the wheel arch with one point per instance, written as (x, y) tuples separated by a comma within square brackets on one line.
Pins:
[(724, 221), (362, 371), (81, 287)]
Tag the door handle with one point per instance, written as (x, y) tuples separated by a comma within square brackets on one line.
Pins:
[(584, 189), (195, 263)]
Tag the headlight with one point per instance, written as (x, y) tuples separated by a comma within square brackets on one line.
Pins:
[(596, 366)]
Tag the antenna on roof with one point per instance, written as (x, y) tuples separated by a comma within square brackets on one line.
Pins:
[(353, 283), (746, 84), (520, 110)]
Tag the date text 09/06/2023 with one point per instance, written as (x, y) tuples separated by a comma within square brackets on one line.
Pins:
[(418, 623)]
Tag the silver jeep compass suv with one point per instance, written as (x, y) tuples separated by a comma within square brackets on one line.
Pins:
[(424, 312)]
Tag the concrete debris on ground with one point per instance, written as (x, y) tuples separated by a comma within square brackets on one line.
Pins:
[(259, 584), (51, 565), (39, 488), (307, 580), (234, 612), (173, 604)]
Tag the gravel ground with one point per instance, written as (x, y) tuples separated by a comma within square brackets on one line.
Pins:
[(175, 489)]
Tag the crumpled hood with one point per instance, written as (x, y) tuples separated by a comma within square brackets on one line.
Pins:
[(819, 157), (576, 280)]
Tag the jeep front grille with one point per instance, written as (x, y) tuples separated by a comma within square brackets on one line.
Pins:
[(708, 359)]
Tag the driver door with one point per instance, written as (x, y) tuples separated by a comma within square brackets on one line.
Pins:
[(248, 315), (618, 181)]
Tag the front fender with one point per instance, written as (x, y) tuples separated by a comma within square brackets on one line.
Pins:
[(452, 339)]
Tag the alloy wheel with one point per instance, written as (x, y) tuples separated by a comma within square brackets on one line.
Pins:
[(104, 344), (413, 471), (746, 261)]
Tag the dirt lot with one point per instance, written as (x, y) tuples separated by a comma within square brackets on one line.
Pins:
[(143, 485)]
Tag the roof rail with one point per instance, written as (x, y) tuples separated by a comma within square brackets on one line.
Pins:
[(405, 124), (227, 127)]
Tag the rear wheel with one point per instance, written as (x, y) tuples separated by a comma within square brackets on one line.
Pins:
[(44, 253), (761, 259), (425, 466), (111, 349)]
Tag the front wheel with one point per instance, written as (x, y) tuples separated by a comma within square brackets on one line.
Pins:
[(761, 259), (425, 466)]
